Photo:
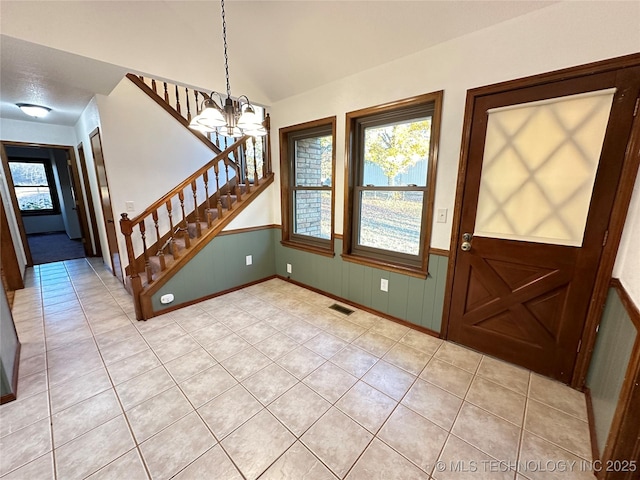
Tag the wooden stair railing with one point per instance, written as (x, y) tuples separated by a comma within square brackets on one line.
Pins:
[(158, 243)]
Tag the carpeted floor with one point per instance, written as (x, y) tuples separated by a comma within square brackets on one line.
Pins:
[(54, 247)]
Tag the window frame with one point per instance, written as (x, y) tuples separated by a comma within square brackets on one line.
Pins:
[(51, 185), (417, 107), (288, 136)]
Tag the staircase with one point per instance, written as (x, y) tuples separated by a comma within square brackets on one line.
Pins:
[(172, 230)]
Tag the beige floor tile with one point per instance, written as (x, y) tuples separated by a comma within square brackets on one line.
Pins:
[(389, 379), (345, 330), (116, 335), (257, 444), (245, 363), (163, 334), (24, 446), (281, 322), (33, 364), (541, 460), (414, 436), (558, 395), (178, 445), (559, 428), (325, 344), (301, 331), (133, 366), (269, 383), (175, 348), (93, 450), (109, 324), (226, 347), (299, 408), (80, 388), (407, 358), (125, 348), (389, 329), (80, 332), (461, 461), (276, 345), (238, 320), (140, 388), (337, 440), (374, 343), (367, 406), (153, 415), (507, 375), (127, 466), (84, 416), (257, 332), (31, 384), (190, 364), (380, 462), (205, 336), (446, 376), (354, 360), (433, 403), (213, 460), (330, 381), (298, 463), (23, 412), (487, 432), (41, 469), (459, 356), (192, 320), (497, 399), (230, 410), (300, 362), (207, 385)]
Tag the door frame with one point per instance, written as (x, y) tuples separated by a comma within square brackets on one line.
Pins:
[(92, 219), (616, 222)]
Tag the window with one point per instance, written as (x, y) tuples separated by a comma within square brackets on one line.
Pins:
[(34, 186), (307, 164), (391, 178)]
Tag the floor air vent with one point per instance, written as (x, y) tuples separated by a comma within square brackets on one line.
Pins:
[(341, 309)]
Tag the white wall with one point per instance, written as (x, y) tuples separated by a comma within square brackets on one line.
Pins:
[(564, 35)]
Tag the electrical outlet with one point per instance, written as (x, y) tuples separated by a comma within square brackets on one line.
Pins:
[(384, 284), (288, 268), (166, 298), (249, 259), (442, 215), (129, 206)]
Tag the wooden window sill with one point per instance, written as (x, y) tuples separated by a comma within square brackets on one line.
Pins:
[(391, 267), (327, 252)]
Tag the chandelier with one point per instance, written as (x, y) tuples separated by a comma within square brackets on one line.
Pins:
[(235, 118)]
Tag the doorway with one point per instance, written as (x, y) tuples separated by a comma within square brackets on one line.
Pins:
[(541, 167), (44, 188)]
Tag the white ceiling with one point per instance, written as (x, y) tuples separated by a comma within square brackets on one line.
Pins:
[(60, 53)]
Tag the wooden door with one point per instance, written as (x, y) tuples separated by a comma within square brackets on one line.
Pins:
[(91, 214), (543, 163), (103, 186), (76, 193)]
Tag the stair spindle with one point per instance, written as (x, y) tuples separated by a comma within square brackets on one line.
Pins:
[(147, 265), (186, 94), (173, 249), (154, 86), (247, 181), (166, 93), (236, 168), (216, 169), (163, 265), (226, 169), (185, 231), (205, 179), (178, 100), (196, 209), (255, 161)]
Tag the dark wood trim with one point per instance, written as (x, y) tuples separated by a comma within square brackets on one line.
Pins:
[(9, 265), (92, 218), (439, 251), (413, 326), (79, 199), (14, 200), (286, 200), (208, 297), (248, 229), (153, 96), (338, 236), (630, 168), (591, 420), (14, 381), (349, 179), (629, 305)]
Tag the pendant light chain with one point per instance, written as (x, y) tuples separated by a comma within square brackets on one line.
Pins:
[(226, 57)]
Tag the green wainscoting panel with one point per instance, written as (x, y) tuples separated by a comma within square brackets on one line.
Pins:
[(419, 301), (221, 266), (611, 356)]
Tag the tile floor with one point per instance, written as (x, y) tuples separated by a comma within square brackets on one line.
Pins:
[(266, 382)]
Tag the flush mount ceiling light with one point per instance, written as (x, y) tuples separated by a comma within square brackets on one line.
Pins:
[(236, 118), (36, 111)]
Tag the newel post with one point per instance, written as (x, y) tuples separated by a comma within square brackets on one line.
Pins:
[(126, 227)]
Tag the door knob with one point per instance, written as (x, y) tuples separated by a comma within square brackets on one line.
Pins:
[(466, 246)]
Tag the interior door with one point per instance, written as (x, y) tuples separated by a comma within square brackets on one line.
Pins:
[(91, 214), (103, 186), (543, 165), (76, 193)]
